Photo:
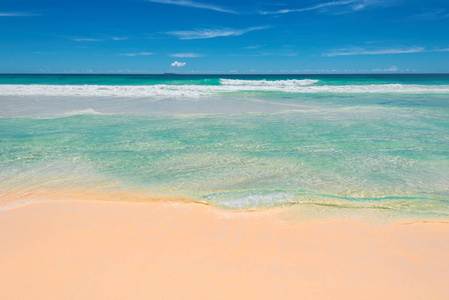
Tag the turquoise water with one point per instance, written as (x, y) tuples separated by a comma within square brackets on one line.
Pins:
[(242, 142)]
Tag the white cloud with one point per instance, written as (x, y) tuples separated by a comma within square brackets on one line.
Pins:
[(195, 4), (116, 38), (87, 40), (212, 33), (361, 51), (138, 54), (185, 55), (16, 14), (392, 69), (178, 64)]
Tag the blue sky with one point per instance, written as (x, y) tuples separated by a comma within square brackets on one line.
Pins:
[(210, 36)]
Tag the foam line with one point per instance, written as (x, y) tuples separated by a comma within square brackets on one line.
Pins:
[(192, 91)]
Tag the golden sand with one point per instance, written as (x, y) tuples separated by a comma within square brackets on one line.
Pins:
[(118, 250)]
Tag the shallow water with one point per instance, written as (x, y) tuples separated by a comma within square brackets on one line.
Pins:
[(376, 142)]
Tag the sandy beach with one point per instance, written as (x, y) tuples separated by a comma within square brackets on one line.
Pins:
[(237, 150), (120, 250)]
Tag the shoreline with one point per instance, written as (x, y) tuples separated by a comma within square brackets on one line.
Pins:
[(172, 250), (297, 212), (294, 212)]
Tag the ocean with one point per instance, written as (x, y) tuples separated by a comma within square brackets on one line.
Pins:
[(332, 143)]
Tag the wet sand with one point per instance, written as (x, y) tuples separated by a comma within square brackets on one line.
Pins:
[(123, 250)]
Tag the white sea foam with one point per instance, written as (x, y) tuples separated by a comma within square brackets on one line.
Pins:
[(88, 111), (288, 82), (193, 91)]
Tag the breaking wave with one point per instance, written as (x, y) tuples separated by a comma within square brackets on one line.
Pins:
[(288, 82), (306, 86)]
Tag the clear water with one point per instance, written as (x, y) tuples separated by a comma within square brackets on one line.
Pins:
[(237, 142)]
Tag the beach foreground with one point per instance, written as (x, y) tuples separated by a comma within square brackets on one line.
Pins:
[(118, 250)]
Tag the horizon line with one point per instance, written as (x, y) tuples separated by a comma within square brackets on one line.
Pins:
[(232, 74)]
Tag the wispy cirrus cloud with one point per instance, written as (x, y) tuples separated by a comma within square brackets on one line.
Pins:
[(212, 33), (341, 5), (99, 39), (431, 15), (362, 51), (309, 8), (138, 54), (265, 54), (87, 40), (194, 4), (439, 50), (186, 55), (17, 14), (252, 47)]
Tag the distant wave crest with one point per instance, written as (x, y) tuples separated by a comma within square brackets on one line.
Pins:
[(288, 82), (88, 111)]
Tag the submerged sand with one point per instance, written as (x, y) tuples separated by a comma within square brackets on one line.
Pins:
[(119, 250)]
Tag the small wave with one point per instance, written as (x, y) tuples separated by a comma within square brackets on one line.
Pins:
[(249, 200), (288, 82)]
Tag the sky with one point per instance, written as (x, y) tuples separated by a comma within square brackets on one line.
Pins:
[(233, 36)]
